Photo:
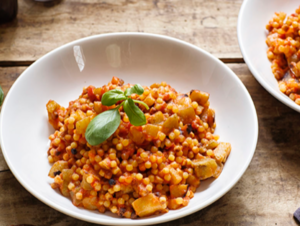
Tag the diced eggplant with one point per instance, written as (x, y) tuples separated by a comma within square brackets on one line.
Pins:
[(67, 177), (199, 96), (172, 204), (157, 118), (58, 166), (149, 100), (136, 135), (80, 115), (170, 124), (147, 205), (84, 184), (82, 125), (222, 151), (151, 130), (212, 144), (178, 190), (90, 203), (98, 107), (187, 114), (175, 176), (205, 167), (53, 108), (210, 117), (192, 180), (75, 201), (183, 100)]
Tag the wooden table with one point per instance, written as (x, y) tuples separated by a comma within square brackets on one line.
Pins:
[(267, 194)]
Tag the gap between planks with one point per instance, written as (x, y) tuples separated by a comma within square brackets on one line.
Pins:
[(28, 63)]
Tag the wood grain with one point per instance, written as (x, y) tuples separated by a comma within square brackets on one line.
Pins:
[(267, 194), (40, 28)]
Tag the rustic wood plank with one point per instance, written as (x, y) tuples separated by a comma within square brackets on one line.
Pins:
[(267, 194), (40, 28)]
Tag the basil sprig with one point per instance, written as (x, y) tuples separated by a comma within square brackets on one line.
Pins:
[(112, 96), (106, 123), (137, 88), (103, 126), (134, 113)]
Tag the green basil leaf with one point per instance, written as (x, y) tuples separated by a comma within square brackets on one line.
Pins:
[(142, 103), (134, 113), (103, 126), (111, 97), (137, 88), (1, 96)]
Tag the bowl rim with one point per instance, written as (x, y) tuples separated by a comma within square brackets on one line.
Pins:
[(277, 94), (149, 221)]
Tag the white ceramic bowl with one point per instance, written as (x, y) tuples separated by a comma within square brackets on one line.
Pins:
[(253, 17), (136, 58)]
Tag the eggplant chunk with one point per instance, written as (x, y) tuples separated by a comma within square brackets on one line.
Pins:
[(210, 117), (149, 100), (170, 124), (67, 177), (147, 205), (151, 130), (178, 190), (157, 118), (53, 112), (222, 151), (57, 166), (175, 176), (187, 114), (199, 96), (205, 167), (84, 184), (90, 203), (136, 135)]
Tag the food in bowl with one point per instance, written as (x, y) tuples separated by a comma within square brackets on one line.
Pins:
[(143, 167), (283, 40)]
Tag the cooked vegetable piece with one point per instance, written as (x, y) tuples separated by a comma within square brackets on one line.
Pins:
[(151, 130), (219, 169), (183, 100), (136, 135), (84, 184), (67, 177), (210, 117), (82, 125), (149, 100), (172, 204), (53, 111), (199, 96), (75, 201), (80, 115), (187, 114), (175, 176), (105, 164), (178, 190), (98, 107), (157, 118), (90, 203), (147, 205), (192, 180), (212, 144), (205, 167), (58, 166), (170, 124), (222, 151)]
